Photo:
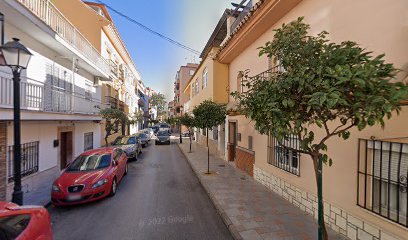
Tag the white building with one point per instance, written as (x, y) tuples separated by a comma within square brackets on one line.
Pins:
[(60, 97)]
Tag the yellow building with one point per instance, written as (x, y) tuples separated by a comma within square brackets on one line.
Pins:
[(365, 191), (210, 82), (120, 90)]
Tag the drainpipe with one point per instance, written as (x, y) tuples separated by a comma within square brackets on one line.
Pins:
[(2, 28)]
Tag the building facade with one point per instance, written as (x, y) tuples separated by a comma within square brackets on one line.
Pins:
[(365, 190), (60, 97), (210, 82)]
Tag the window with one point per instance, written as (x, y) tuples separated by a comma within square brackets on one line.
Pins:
[(382, 179), (12, 226), (29, 159), (197, 86), (205, 78), (215, 133), (192, 72), (282, 156), (88, 141)]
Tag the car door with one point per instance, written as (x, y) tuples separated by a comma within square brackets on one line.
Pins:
[(122, 160), (117, 166)]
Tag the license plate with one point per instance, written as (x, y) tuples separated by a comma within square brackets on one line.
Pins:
[(74, 197)]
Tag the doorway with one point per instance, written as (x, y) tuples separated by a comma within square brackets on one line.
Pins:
[(65, 149), (232, 140)]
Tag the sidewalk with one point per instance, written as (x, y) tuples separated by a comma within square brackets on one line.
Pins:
[(250, 210)]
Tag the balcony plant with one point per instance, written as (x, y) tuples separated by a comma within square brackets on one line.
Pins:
[(321, 84), (208, 115)]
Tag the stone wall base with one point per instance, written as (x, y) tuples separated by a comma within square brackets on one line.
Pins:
[(336, 218)]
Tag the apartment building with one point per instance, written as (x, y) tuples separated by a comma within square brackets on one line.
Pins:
[(120, 91), (183, 77), (60, 97), (365, 191), (210, 82)]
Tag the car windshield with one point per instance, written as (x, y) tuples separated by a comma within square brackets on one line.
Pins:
[(90, 162), (124, 141), (163, 126), (12, 226), (162, 133), (142, 135)]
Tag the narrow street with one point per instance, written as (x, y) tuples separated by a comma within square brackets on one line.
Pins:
[(160, 198)]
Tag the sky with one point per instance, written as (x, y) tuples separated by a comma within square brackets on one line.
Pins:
[(189, 22)]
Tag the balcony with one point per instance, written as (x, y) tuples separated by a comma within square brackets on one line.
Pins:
[(52, 17), (245, 10), (40, 97), (113, 68)]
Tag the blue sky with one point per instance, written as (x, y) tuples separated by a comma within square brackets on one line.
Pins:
[(190, 22)]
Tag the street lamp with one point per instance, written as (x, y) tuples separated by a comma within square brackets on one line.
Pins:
[(16, 56), (181, 114)]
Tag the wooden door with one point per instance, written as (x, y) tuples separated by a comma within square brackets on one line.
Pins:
[(232, 140), (65, 149)]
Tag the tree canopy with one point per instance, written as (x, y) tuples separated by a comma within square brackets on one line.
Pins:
[(209, 114), (158, 100)]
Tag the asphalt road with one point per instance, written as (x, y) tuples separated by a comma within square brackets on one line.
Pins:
[(160, 198)]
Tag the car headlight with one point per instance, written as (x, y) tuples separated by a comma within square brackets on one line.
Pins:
[(100, 183), (55, 188)]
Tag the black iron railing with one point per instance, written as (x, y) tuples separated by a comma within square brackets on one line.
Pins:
[(29, 159), (382, 178), (266, 75), (112, 102), (283, 156)]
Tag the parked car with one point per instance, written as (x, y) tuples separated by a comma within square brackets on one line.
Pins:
[(150, 132), (132, 145), (163, 137), (147, 132), (24, 222), (144, 139), (93, 175)]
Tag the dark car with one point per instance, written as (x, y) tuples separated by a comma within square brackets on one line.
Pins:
[(132, 145), (163, 137)]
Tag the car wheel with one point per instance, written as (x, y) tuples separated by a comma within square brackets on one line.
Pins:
[(113, 187)]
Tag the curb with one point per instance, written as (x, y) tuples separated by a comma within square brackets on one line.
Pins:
[(227, 221)]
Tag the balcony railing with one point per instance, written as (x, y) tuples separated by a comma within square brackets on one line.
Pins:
[(37, 96), (266, 75), (115, 103), (382, 178), (114, 68), (51, 16), (244, 12)]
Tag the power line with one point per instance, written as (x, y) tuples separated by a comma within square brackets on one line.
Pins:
[(151, 30)]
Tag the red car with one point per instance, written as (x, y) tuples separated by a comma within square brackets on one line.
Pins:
[(93, 175), (24, 222)]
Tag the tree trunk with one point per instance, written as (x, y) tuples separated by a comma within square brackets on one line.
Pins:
[(318, 167), (208, 155), (189, 134)]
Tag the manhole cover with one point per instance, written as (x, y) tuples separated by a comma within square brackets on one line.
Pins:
[(221, 165), (243, 178)]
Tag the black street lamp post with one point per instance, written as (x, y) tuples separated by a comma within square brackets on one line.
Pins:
[(16, 56)]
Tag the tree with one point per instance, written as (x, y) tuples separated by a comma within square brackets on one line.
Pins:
[(158, 100), (113, 118), (331, 86), (208, 115), (189, 122)]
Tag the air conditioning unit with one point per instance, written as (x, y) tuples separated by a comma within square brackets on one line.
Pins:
[(97, 81)]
